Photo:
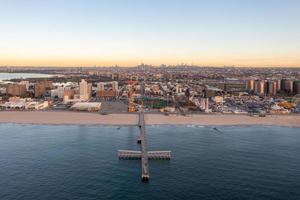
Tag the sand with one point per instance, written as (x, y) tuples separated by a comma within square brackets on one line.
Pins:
[(67, 118), (81, 118), (225, 119)]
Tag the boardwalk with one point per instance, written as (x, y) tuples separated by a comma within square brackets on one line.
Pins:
[(144, 154)]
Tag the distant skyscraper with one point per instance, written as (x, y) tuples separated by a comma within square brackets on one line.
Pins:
[(85, 90)]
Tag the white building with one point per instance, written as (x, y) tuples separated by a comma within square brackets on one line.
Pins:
[(14, 103), (54, 93), (87, 106), (115, 85), (178, 89), (35, 105), (60, 92), (24, 103), (3, 90), (85, 90), (100, 86)]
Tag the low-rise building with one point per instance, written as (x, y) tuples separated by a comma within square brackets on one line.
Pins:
[(87, 106), (17, 103)]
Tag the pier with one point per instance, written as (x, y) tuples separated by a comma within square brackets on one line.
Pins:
[(144, 155), (152, 155)]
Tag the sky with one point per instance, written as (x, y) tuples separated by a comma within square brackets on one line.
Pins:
[(129, 32)]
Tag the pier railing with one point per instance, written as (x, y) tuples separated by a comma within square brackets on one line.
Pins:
[(152, 155)]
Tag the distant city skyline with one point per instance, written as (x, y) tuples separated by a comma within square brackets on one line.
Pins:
[(257, 33)]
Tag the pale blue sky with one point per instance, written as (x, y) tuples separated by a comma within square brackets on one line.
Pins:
[(128, 32)]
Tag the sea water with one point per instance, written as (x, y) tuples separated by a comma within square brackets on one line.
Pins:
[(80, 162)]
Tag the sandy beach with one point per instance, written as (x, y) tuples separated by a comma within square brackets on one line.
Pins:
[(225, 119), (67, 118), (80, 118)]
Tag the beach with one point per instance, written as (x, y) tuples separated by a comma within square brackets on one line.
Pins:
[(82, 118), (225, 119)]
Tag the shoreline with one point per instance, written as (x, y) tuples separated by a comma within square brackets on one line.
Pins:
[(82, 118)]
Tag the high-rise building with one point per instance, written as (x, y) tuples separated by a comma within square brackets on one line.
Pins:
[(41, 87), (250, 85), (85, 90), (278, 85), (107, 89), (60, 92), (100, 86), (115, 86), (39, 90), (25, 83), (282, 84), (260, 87), (54, 93), (178, 89), (289, 86), (272, 87), (68, 95), (16, 90), (296, 87)]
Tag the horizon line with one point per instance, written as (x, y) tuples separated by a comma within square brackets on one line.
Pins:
[(148, 65)]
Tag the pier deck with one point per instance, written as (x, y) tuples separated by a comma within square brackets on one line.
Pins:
[(144, 155), (152, 155), (144, 159)]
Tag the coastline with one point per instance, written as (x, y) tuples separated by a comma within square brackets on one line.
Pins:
[(81, 118)]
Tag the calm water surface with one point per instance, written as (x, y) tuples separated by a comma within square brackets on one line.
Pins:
[(8, 76), (80, 162)]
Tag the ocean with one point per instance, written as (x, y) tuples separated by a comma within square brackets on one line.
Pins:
[(80, 162)]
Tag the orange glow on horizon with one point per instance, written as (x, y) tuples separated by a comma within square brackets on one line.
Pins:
[(83, 62)]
